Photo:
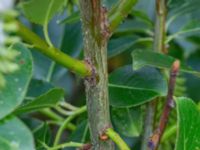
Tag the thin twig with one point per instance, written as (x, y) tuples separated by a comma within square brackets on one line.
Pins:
[(156, 137), (64, 145), (66, 122), (160, 47)]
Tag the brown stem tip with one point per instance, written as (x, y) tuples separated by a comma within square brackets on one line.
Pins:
[(175, 66), (157, 135)]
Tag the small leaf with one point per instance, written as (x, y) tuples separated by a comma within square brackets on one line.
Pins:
[(15, 135), (131, 88), (143, 58), (48, 99), (17, 83), (39, 11), (188, 125), (128, 121)]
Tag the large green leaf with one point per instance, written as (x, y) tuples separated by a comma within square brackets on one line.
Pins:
[(14, 135), (130, 88), (188, 125), (40, 11), (49, 99), (143, 58), (127, 121), (13, 93), (40, 95)]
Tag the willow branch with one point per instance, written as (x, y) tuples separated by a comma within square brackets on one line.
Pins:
[(96, 35), (74, 65), (156, 137)]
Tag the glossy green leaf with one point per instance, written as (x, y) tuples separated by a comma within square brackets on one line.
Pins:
[(127, 121), (17, 83), (15, 135), (143, 58), (38, 87), (48, 99), (133, 26), (39, 11), (121, 44), (131, 88), (188, 125)]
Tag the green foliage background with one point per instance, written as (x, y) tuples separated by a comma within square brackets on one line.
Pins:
[(37, 95)]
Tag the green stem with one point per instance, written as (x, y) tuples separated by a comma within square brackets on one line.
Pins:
[(70, 144), (58, 56), (66, 122), (68, 106), (119, 12), (63, 111), (49, 113), (85, 133), (117, 139), (45, 28), (160, 33), (50, 71)]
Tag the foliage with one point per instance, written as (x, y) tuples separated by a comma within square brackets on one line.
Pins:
[(39, 95)]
